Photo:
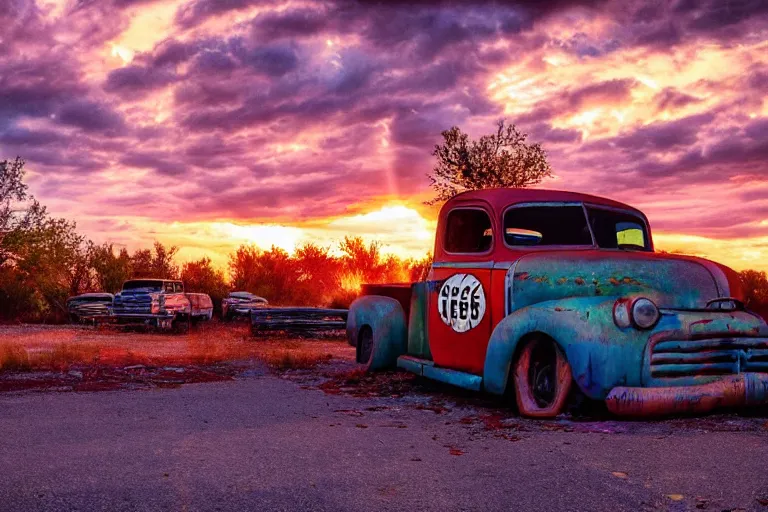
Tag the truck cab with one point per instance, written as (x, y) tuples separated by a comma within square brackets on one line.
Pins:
[(535, 293), (161, 303)]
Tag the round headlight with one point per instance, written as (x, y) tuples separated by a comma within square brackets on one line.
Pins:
[(645, 314)]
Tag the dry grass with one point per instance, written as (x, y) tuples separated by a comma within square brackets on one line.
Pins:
[(37, 347), (284, 359)]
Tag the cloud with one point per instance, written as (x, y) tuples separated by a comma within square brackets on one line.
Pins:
[(90, 116), (153, 160), (137, 81), (272, 61), (259, 111)]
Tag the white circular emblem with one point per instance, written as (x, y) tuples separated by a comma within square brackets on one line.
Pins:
[(461, 302)]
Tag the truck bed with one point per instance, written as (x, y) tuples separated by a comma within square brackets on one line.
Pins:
[(401, 292)]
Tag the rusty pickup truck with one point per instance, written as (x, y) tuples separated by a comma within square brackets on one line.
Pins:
[(160, 303), (541, 295)]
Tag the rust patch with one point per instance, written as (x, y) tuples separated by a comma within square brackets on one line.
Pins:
[(562, 280), (614, 281), (522, 276), (579, 281)]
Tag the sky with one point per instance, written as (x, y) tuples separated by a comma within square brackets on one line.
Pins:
[(207, 124)]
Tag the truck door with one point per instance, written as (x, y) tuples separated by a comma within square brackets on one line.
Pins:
[(459, 316)]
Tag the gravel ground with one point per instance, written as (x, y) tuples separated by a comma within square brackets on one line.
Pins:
[(328, 437)]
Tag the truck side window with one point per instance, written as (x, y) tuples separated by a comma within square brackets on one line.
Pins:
[(168, 287), (614, 230), (179, 288), (468, 230)]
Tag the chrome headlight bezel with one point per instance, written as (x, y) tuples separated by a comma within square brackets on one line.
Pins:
[(639, 312)]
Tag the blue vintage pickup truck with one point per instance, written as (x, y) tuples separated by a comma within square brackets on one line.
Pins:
[(537, 294)]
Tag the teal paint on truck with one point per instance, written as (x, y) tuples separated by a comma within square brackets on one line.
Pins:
[(649, 333)]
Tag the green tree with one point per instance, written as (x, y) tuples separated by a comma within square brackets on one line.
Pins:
[(19, 212), (52, 259), (110, 270), (155, 263), (755, 289), (200, 277), (318, 277), (271, 274), (501, 159)]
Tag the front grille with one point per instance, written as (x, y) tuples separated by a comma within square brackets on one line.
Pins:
[(132, 304), (721, 356)]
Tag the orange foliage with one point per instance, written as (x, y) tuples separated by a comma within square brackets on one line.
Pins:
[(315, 277)]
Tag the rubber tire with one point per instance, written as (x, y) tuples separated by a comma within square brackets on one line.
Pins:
[(526, 404), (381, 322)]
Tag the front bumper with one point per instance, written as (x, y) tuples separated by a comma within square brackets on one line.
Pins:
[(745, 389), (159, 320)]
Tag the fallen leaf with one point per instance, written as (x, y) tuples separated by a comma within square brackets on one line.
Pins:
[(455, 451), (415, 459), (763, 501), (675, 497), (360, 425), (620, 474)]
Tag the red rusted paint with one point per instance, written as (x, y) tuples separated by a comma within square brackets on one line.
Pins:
[(522, 276), (464, 351), (579, 281)]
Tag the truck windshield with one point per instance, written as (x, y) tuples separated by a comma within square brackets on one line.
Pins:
[(546, 225), (144, 284), (618, 230), (558, 224)]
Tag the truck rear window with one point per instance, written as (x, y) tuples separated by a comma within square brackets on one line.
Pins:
[(557, 225)]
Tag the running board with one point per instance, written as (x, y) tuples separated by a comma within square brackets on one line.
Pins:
[(426, 368)]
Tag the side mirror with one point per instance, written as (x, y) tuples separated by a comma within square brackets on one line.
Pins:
[(517, 236)]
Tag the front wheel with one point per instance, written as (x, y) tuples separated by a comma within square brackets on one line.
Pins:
[(542, 378)]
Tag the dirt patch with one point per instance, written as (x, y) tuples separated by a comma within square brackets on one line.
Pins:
[(85, 358), (46, 348), (102, 378), (360, 384)]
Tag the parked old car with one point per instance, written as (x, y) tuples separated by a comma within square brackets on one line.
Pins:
[(535, 293), (160, 303), (240, 304), (89, 306)]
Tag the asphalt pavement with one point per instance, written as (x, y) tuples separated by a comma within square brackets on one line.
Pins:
[(268, 443)]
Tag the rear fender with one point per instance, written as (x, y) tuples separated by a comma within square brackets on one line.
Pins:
[(375, 310), (386, 319), (600, 354)]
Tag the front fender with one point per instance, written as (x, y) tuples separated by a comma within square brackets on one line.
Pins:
[(601, 354)]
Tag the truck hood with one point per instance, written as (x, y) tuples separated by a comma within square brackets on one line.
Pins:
[(672, 281)]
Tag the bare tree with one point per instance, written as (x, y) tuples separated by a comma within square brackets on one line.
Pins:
[(502, 159)]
